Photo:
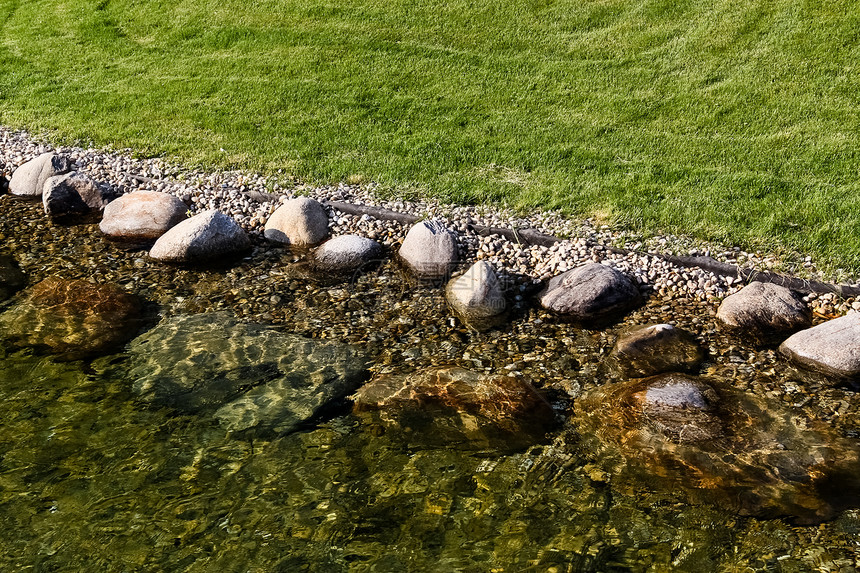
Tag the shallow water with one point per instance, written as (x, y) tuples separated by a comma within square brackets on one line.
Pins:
[(93, 478)]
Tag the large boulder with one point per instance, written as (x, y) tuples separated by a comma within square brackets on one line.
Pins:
[(204, 237), (456, 406), (430, 250), (345, 254), (74, 194), (246, 375), (72, 317), (29, 179), (11, 278), (720, 445), (301, 221), (590, 293), (142, 216), (652, 349), (832, 347), (477, 294), (764, 311)]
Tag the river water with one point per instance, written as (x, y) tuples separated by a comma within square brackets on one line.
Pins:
[(92, 478)]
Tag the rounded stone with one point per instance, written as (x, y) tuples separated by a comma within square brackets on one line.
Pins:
[(477, 293), (764, 310), (592, 292), (142, 216), (430, 250), (301, 221), (345, 253), (29, 179), (652, 349), (204, 237), (832, 347)]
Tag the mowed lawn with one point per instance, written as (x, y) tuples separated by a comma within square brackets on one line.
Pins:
[(731, 120)]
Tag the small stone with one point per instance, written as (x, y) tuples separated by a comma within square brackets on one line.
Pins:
[(204, 237), (430, 250), (301, 221), (29, 179)]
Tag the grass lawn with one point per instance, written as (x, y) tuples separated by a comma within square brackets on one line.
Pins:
[(731, 120)]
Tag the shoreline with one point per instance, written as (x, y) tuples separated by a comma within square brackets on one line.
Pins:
[(243, 196)]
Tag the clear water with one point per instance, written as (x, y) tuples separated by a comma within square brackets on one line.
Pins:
[(94, 479)]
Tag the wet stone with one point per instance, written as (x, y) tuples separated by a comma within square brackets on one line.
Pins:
[(653, 349), (247, 375), (344, 254), (74, 194), (12, 279), (719, 445), (204, 237), (832, 347), (592, 293), (476, 295), (765, 311), (458, 406), (71, 317), (4, 185)]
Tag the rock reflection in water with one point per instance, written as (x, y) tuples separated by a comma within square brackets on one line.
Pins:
[(719, 445)]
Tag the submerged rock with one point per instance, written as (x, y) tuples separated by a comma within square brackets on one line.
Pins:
[(345, 254), (765, 311), (647, 350), (453, 405), (72, 317), (718, 445), (29, 179), (12, 279), (204, 237), (301, 221), (477, 294), (246, 375), (590, 293), (142, 216), (430, 250), (832, 347)]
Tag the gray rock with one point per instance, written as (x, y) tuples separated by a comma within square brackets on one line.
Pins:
[(73, 194), (246, 375), (301, 221), (653, 349), (203, 237), (430, 250), (832, 347), (681, 407), (345, 254), (765, 311), (29, 179), (11, 278), (477, 293), (592, 292), (142, 216)]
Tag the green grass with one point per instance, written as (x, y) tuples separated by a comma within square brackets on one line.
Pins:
[(731, 120)]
